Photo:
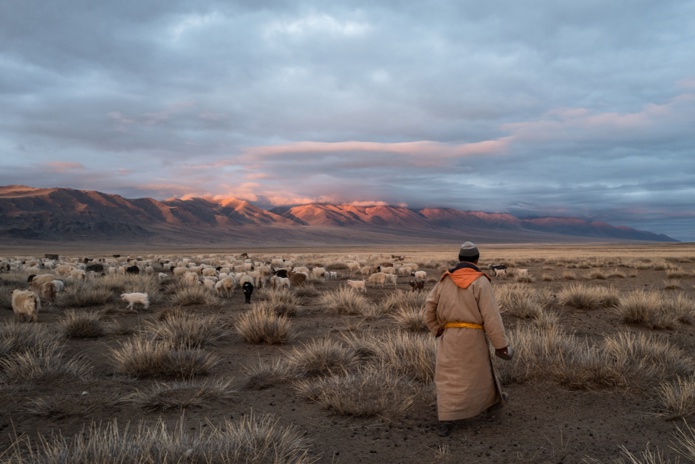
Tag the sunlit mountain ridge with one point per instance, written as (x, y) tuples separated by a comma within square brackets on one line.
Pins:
[(35, 214)]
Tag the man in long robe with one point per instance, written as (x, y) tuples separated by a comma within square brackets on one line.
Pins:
[(462, 312)]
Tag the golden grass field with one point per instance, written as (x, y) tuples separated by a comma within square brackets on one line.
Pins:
[(603, 372)]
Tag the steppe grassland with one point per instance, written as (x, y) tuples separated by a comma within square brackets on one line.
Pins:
[(169, 357)]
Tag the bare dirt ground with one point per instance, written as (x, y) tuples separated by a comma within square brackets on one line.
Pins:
[(543, 423)]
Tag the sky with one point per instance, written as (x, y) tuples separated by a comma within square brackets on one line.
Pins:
[(537, 108)]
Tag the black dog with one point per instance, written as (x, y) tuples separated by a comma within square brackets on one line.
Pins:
[(248, 290)]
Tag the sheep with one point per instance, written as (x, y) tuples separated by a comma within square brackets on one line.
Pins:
[(353, 266), (26, 305), (162, 276), (522, 272), (366, 270), (59, 285), (359, 285), (133, 298), (244, 278), (209, 283), (209, 272), (95, 267), (419, 275), (78, 274), (132, 270), (332, 275), (318, 273), (498, 269), (36, 280), (225, 287), (190, 278), (377, 278), (418, 285), (392, 278), (297, 278), (279, 282), (247, 288), (47, 291)]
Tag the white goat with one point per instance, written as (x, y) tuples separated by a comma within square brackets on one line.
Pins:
[(359, 285), (133, 298), (26, 305)]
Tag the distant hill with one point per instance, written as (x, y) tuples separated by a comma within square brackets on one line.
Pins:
[(60, 214)]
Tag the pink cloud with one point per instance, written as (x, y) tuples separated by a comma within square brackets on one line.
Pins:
[(419, 153), (65, 166)]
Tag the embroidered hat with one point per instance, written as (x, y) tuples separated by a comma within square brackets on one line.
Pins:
[(469, 252)]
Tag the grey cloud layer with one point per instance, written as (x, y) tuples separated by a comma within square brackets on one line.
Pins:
[(535, 108)]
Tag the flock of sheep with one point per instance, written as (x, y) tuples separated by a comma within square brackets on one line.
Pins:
[(47, 276)]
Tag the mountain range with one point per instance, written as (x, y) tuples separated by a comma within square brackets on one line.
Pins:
[(30, 215)]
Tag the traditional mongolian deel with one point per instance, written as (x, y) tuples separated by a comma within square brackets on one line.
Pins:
[(462, 308)]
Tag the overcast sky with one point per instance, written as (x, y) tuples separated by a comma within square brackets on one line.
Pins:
[(540, 107)]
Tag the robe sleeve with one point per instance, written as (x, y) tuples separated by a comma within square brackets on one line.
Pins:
[(431, 319), (490, 312)]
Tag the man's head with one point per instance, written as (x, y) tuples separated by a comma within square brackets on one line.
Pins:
[(469, 252)]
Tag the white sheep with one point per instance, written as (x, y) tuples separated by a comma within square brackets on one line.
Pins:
[(359, 285), (225, 287), (377, 278), (522, 272), (318, 273), (391, 278), (420, 275), (133, 298), (26, 305), (162, 276)]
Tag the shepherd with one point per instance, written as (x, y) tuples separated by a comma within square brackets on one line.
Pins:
[(461, 311)]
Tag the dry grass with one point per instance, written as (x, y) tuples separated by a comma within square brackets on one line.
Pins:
[(198, 295), (45, 363), (250, 440), (182, 329), (262, 324), (283, 301), (82, 325), (83, 295), (367, 392), (677, 398), (583, 297), (345, 300), (181, 395), (646, 308), (523, 301), (16, 337), (320, 357), (410, 318), (143, 358)]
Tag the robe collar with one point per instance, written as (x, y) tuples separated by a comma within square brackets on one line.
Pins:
[(464, 274)]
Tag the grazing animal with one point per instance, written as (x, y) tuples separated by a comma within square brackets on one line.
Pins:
[(247, 288), (522, 272), (359, 285), (132, 270), (498, 269), (47, 291), (133, 298), (95, 267), (419, 275), (418, 285), (297, 279), (26, 305)]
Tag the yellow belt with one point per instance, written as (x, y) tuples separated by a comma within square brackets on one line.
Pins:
[(466, 325)]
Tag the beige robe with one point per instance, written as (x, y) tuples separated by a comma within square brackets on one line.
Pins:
[(464, 376)]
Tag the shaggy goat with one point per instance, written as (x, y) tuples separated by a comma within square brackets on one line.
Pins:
[(26, 305), (359, 285), (133, 298)]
